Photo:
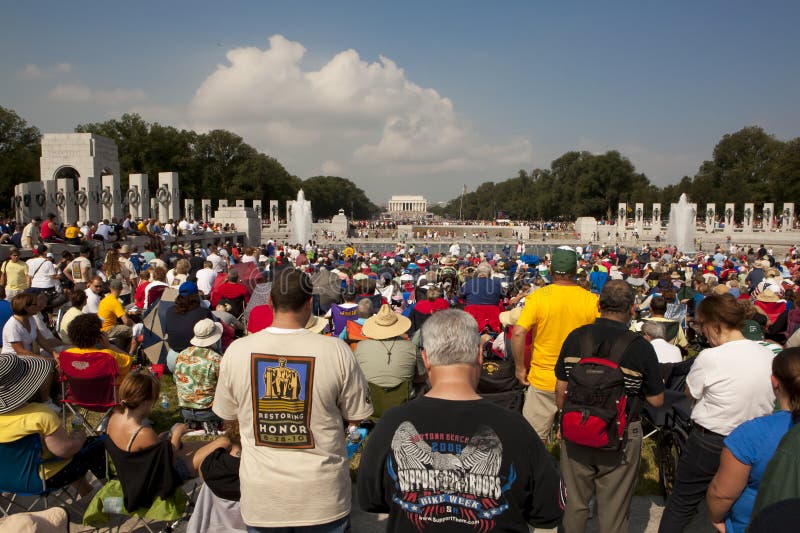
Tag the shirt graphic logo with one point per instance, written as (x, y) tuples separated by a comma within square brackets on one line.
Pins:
[(282, 386), (444, 477)]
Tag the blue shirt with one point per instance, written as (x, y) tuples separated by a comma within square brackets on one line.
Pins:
[(482, 291), (754, 443), (5, 314)]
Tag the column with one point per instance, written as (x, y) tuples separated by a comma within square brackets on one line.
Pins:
[(65, 200), (274, 218), (729, 217), (787, 223), (188, 208), (638, 213), (88, 198), (205, 210), (749, 213), (168, 196), (139, 196), (622, 217), (767, 214), (111, 197), (258, 210), (239, 203), (710, 214), (655, 227)]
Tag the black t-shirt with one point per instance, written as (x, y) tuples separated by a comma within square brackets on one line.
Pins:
[(195, 264), (642, 376), (220, 472), (448, 465), (180, 328)]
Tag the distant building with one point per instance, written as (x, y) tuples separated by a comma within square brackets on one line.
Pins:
[(407, 206)]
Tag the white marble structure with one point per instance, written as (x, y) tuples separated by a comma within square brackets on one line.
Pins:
[(655, 227), (111, 196), (787, 218), (748, 216), (245, 220), (222, 202), (138, 196), (638, 214), (407, 206), (289, 212), (168, 196), (239, 203), (258, 209), (88, 199), (710, 217), (88, 154), (66, 208), (729, 217), (767, 214), (206, 211), (188, 208), (273, 214), (29, 201), (622, 216)]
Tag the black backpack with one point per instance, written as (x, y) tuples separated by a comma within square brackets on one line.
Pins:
[(594, 411)]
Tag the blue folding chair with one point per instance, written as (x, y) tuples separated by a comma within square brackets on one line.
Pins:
[(21, 475)]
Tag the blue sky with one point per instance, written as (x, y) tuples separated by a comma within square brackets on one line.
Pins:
[(416, 97)]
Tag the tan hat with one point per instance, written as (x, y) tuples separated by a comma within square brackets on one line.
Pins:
[(763, 264), (385, 324), (769, 294), (206, 333), (721, 289), (125, 249), (316, 324), (509, 318)]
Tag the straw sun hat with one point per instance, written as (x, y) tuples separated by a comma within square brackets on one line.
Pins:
[(385, 324)]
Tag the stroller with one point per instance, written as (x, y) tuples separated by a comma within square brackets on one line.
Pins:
[(669, 425)]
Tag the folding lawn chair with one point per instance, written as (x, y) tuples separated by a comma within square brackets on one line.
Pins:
[(21, 475), (88, 382)]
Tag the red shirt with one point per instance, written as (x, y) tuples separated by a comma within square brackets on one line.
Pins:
[(228, 290), (138, 297)]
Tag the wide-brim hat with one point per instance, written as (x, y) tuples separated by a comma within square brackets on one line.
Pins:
[(509, 318), (206, 333), (20, 379), (770, 294), (316, 324), (385, 324)]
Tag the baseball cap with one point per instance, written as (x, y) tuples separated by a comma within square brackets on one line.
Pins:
[(188, 287), (752, 331), (565, 260)]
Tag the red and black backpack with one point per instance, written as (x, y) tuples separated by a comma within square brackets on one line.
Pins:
[(594, 411)]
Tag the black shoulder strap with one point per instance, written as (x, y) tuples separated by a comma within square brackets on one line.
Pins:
[(586, 342), (621, 345)]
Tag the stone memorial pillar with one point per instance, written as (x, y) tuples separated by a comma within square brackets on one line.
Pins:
[(622, 217), (222, 203), (168, 196), (66, 209), (153, 208), (655, 227), (188, 208), (88, 199), (139, 195), (258, 210), (710, 214), (787, 220), (729, 217), (638, 214), (29, 200), (239, 203), (289, 212), (205, 210), (767, 214), (274, 217), (111, 197), (747, 219)]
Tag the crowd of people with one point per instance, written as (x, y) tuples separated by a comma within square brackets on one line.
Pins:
[(466, 370)]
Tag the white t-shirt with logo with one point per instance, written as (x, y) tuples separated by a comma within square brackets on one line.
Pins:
[(291, 390), (41, 271), (731, 384)]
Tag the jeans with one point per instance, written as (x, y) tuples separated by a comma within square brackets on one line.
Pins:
[(337, 526), (696, 468)]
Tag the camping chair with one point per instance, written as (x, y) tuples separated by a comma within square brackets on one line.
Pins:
[(487, 316), (340, 316), (384, 398), (88, 382), (21, 475)]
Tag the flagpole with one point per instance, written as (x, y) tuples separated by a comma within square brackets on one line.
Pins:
[(461, 205)]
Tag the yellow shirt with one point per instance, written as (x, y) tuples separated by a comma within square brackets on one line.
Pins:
[(552, 312), (109, 310), (33, 418), (123, 360), (16, 275), (72, 232)]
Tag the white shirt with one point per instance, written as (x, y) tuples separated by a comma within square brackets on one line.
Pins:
[(41, 270), (217, 261), (92, 301), (15, 331), (731, 384), (205, 280), (104, 230), (666, 352)]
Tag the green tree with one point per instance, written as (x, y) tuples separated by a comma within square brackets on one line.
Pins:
[(328, 194), (20, 150)]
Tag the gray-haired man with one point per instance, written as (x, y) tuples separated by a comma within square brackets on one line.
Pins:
[(453, 458)]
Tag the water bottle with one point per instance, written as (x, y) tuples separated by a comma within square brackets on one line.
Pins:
[(76, 422), (353, 435), (113, 504), (164, 402)]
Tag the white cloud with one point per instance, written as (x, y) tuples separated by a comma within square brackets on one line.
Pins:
[(37, 72), (80, 93), (353, 117)]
